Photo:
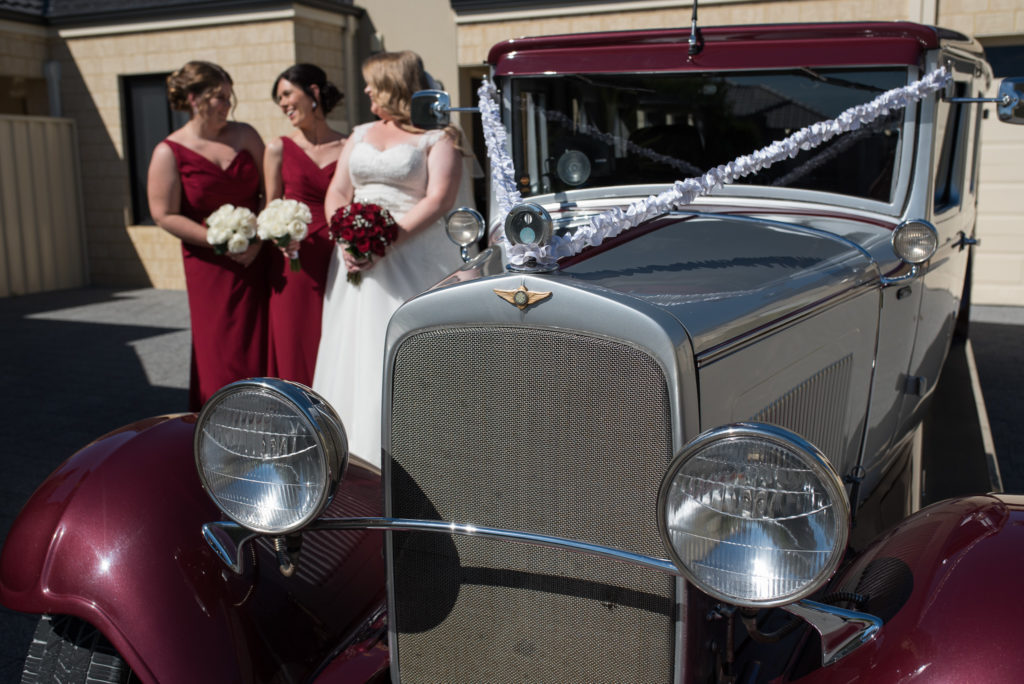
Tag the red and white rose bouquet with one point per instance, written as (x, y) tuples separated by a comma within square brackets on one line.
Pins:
[(365, 230), (231, 229), (284, 221)]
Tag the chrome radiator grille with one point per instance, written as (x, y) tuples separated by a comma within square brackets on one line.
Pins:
[(543, 431)]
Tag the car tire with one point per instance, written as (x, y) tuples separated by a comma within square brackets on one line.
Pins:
[(70, 650)]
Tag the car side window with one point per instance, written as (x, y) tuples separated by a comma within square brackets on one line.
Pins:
[(951, 135)]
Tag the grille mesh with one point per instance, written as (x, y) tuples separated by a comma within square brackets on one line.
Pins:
[(816, 409), (544, 431)]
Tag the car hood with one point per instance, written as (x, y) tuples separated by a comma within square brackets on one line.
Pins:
[(724, 276)]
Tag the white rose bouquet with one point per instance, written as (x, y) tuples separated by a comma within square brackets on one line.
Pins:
[(231, 229), (283, 222)]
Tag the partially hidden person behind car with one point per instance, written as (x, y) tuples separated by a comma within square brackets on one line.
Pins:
[(207, 163)]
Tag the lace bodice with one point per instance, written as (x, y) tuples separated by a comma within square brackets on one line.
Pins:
[(395, 178)]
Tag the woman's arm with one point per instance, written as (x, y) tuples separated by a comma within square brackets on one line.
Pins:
[(163, 190), (272, 181), (444, 171), (339, 192)]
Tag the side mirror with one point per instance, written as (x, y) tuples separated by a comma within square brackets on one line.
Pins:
[(1010, 108), (430, 109)]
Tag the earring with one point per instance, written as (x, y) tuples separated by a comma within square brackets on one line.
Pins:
[(314, 104)]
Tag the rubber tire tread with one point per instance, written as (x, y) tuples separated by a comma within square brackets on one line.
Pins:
[(71, 651)]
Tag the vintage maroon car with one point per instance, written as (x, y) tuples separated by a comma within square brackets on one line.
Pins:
[(680, 421)]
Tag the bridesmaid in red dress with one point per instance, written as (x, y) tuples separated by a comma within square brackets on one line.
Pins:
[(300, 167), (206, 163)]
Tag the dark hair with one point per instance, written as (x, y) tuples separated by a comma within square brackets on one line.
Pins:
[(195, 78), (305, 76)]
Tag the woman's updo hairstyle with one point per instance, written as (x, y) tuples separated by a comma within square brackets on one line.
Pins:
[(196, 78), (306, 76)]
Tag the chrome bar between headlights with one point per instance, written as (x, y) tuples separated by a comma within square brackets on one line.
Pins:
[(221, 535), (842, 631)]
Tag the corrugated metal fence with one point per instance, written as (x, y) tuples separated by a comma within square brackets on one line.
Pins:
[(42, 231)]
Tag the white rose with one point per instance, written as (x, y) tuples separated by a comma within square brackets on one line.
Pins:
[(238, 243), (267, 221), (297, 229)]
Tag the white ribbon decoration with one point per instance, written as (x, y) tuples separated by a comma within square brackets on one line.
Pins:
[(614, 221)]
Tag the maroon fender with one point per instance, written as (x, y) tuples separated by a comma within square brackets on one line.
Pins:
[(113, 536), (947, 583)]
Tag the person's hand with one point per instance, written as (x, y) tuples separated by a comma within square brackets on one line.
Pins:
[(292, 250), (248, 256), (354, 265)]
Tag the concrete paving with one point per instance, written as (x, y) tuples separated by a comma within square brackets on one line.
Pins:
[(78, 363)]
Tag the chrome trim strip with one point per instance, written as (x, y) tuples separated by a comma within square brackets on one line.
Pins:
[(220, 535), (751, 337), (842, 631)]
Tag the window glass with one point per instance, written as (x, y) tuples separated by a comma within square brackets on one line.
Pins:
[(615, 129), (1006, 60), (949, 170)]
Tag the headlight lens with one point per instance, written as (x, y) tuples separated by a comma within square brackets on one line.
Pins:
[(753, 515), (915, 241), (269, 453), (465, 226)]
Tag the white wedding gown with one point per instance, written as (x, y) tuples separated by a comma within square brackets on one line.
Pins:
[(350, 359)]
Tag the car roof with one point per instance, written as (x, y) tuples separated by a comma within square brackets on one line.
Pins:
[(761, 46)]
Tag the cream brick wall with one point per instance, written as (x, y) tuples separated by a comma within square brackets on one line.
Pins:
[(253, 53), (23, 50), (323, 45)]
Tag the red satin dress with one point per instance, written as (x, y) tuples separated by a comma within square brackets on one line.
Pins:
[(227, 302), (297, 297)]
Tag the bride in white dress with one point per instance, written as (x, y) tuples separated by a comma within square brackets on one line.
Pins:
[(415, 175)]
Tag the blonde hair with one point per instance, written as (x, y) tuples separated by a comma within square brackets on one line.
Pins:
[(196, 78), (394, 77)]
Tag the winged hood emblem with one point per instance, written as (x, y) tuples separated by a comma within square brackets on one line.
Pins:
[(522, 297)]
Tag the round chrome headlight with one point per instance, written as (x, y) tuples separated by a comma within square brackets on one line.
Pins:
[(465, 226), (753, 515), (915, 241), (270, 453)]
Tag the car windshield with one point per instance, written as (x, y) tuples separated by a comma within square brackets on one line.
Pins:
[(599, 130)]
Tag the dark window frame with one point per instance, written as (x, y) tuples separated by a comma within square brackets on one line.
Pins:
[(148, 119)]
